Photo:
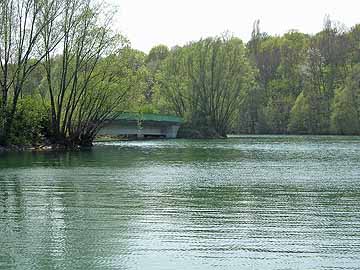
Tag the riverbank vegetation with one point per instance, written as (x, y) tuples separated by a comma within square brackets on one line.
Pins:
[(290, 84), (64, 71)]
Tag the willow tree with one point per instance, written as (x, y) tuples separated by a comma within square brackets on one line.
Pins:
[(81, 95), (21, 25), (213, 74)]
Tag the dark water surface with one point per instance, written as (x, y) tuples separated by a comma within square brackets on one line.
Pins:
[(261, 202)]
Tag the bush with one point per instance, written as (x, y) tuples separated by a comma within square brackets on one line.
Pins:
[(29, 123)]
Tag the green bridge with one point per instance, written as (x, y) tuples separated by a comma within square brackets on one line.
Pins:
[(141, 126)]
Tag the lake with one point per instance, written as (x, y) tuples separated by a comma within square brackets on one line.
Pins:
[(249, 202)]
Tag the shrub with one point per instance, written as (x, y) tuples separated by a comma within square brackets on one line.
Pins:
[(30, 122)]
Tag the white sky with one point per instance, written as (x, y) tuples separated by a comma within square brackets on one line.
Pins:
[(175, 22)]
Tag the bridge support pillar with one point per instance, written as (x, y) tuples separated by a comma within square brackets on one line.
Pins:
[(171, 132)]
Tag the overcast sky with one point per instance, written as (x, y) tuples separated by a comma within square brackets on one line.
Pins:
[(175, 22)]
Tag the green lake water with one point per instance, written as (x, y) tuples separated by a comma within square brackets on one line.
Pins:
[(252, 202)]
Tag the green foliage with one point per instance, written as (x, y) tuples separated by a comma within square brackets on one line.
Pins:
[(300, 120), (126, 74), (353, 37), (173, 84), (203, 82), (280, 62), (303, 78), (277, 113), (30, 122), (156, 55), (346, 115), (294, 83), (317, 94), (251, 117)]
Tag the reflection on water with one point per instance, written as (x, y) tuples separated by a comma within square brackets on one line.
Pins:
[(252, 202)]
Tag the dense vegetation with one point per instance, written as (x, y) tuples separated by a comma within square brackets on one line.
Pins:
[(295, 83), (290, 84), (64, 71)]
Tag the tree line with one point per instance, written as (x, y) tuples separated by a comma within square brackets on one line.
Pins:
[(64, 72), (290, 84)]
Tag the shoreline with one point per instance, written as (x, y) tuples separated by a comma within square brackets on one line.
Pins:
[(50, 148), (41, 148), (25, 148)]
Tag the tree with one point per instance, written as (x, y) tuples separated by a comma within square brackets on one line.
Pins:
[(279, 61), (250, 115), (79, 101), (301, 117), (154, 59), (21, 24), (286, 82), (346, 113), (353, 38), (173, 83), (314, 103), (204, 80), (156, 55)]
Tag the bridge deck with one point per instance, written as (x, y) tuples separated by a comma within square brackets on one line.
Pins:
[(142, 125)]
